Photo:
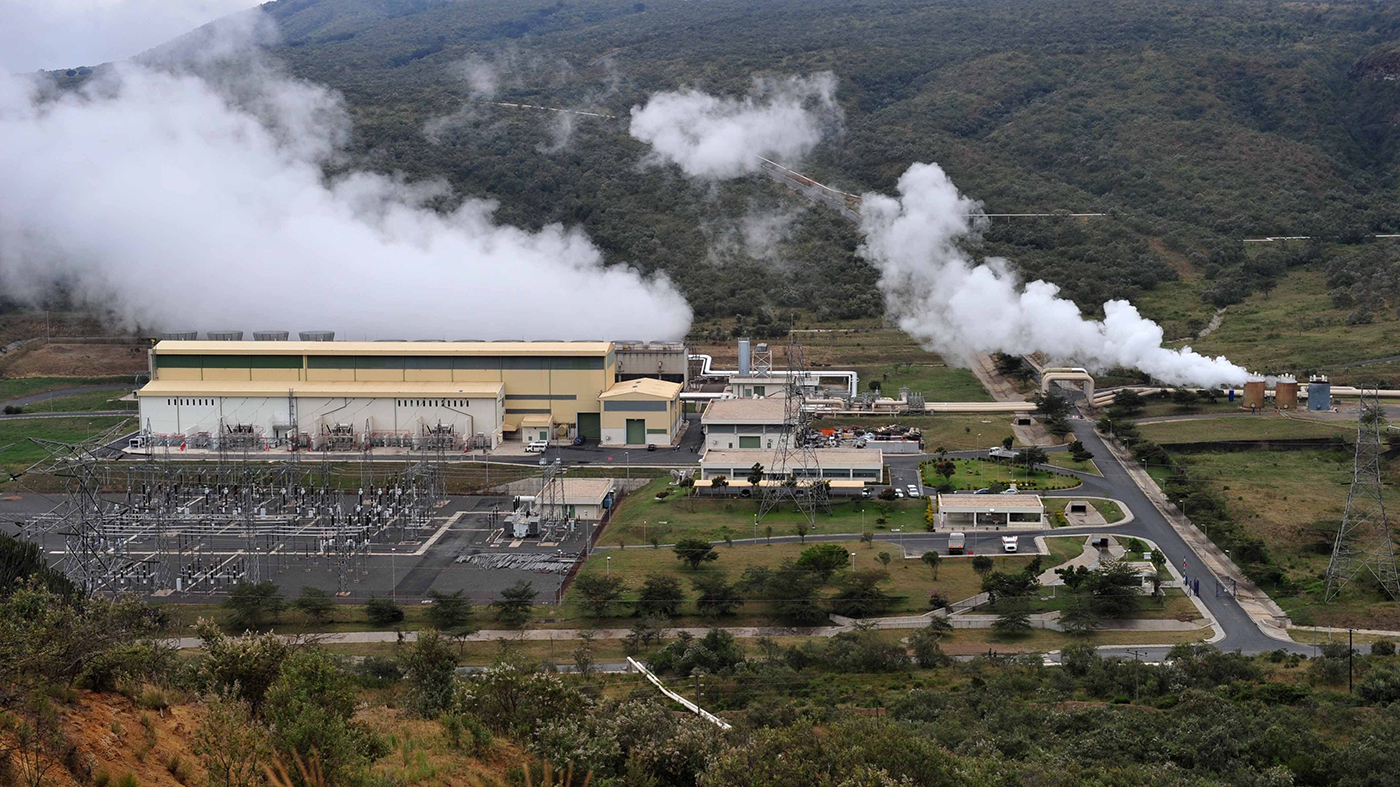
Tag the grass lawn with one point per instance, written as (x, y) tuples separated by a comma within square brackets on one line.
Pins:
[(1111, 511), (1155, 407), (1062, 459), (908, 578), (641, 517), (978, 473), (1243, 427), (346, 617), (1173, 606), (1387, 375), (972, 641), (1293, 501), (937, 381), (16, 387), (1063, 550), (22, 453), (952, 431), (1319, 637), (83, 402), (1296, 327)]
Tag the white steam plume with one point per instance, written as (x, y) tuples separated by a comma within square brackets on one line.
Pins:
[(38, 34), (940, 297), (159, 196), (932, 287), (714, 138)]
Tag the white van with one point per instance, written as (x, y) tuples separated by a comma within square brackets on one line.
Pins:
[(957, 543), (536, 446), (1010, 543)]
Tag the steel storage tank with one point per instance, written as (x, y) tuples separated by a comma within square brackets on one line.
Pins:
[(1319, 393), (744, 356), (1286, 394), (270, 336), (317, 336), (1254, 395), (225, 336)]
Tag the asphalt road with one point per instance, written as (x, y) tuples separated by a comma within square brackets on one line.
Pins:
[(1241, 632)]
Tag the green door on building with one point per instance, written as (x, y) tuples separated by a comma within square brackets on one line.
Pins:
[(589, 426), (636, 431)]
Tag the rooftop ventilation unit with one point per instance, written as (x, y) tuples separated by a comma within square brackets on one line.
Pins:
[(180, 336), (225, 336), (317, 336), (270, 336)]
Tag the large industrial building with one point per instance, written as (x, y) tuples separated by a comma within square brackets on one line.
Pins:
[(348, 395)]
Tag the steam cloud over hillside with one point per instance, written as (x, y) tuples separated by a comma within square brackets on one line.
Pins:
[(180, 203), (940, 297), (711, 137), (932, 287)]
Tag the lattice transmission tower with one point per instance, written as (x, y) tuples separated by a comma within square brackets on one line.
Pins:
[(795, 456), (1363, 541)]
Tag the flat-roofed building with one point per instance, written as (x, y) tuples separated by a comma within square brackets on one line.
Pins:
[(849, 470), (388, 393), (1007, 510), (584, 499), (744, 423), (641, 412)]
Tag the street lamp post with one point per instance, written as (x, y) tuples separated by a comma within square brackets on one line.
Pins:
[(608, 563), (393, 570), (628, 456), (853, 561)]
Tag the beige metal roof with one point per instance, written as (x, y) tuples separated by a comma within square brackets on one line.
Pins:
[(385, 348), (748, 411), (536, 420), (579, 491), (643, 388), (385, 390), (989, 503), (740, 483), (826, 457)]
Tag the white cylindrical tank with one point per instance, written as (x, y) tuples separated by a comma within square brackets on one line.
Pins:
[(744, 356)]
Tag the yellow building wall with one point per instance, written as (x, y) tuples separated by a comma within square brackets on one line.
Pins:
[(283, 375), (655, 419), (379, 375), (178, 374), (476, 376), (330, 375), (428, 375)]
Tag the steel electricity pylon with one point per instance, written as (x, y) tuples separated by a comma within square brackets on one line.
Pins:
[(795, 464), (1363, 541)]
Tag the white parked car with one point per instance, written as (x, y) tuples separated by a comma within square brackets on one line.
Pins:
[(536, 447), (1009, 543)]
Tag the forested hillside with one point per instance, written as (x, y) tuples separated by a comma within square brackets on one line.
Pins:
[(1195, 124)]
